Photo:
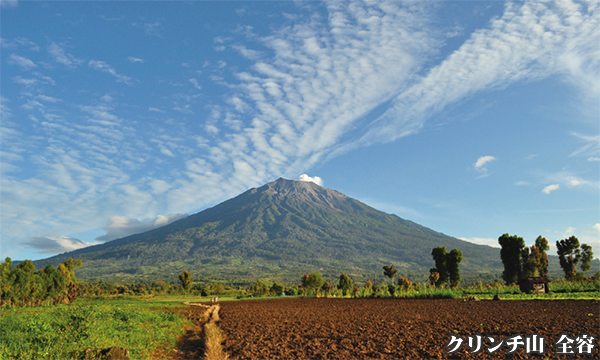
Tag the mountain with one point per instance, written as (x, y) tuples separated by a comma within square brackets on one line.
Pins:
[(280, 231)]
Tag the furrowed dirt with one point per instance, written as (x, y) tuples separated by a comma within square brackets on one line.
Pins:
[(398, 328)]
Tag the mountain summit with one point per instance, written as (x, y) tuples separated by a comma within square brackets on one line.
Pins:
[(279, 231)]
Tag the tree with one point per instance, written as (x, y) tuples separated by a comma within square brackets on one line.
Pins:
[(346, 284), (587, 255), (434, 276), (512, 247), (541, 243), (313, 282), (530, 262), (186, 280), (439, 257), (277, 289), (217, 288), (390, 271), (260, 288), (304, 280), (404, 283), (570, 254), (22, 285), (453, 260)]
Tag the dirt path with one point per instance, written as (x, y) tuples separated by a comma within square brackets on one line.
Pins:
[(192, 343)]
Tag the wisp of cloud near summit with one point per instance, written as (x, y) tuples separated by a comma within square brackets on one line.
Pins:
[(333, 78)]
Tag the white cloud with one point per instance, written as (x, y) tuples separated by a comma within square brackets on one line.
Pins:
[(56, 244), (195, 83), (25, 82), (531, 40), (247, 53), (104, 67), (576, 182), (153, 109), (569, 180), (483, 241), (548, 189), (591, 147), (9, 3), (60, 56), (121, 226), (597, 227), (48, 99), (479, 164), (317, 180), (135, 60), (24, 63)]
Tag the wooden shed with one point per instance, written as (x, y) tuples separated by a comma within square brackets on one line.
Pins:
[(537, 285)]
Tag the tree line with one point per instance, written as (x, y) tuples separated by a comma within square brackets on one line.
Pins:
[(22, 285), (521, 262)]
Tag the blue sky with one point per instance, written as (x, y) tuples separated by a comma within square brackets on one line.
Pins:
[(474, 118)]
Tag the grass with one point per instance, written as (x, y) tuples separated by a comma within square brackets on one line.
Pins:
[(559, 290), (68, 332)]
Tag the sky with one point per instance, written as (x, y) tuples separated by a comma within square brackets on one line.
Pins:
[(473, 118)]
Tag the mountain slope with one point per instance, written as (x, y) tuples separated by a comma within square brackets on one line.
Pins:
[(280, 230)]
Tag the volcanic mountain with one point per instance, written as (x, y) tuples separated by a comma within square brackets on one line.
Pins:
[(280, 231)]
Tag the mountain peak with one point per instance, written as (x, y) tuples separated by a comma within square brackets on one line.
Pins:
[(295, 190)]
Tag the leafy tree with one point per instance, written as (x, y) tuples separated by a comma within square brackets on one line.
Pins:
[(447, 267), (326, 286), (570, 254), (304, 280), (434, 276), (453, 260), (541, 243), (22, 285), (217, 288), (404, 283), (314, 281), (186, 280), (390, 271), (439, 257), (277, 289), (530, 262), (260, 288), (346, 284), (511, 252), (587, 255)]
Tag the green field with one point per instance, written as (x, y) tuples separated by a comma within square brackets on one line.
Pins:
[(71, 331)]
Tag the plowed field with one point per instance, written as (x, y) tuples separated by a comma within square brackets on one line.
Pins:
[(398, 328)]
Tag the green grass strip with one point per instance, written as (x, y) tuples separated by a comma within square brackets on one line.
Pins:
[(66, 332)]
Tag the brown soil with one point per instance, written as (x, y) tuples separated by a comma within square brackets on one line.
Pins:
[(396, 328)]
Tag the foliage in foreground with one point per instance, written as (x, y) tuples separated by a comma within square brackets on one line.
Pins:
[(23, 286), (66, 332)]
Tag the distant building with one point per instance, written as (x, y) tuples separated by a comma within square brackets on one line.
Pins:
[(537, 285)]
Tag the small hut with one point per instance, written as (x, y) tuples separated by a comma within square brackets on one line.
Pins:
[(537, 285)]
